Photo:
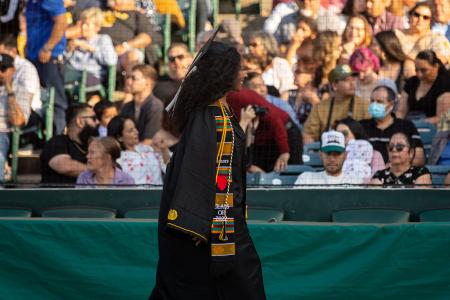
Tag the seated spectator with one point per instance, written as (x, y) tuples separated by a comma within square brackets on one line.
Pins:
[(129, 29), (395, 65), (401, 171), (63, 158), (384, 122), (366, 64), (333, 155), (104, 111), (255, 82), (426, 95), (25, 75), (342, 104), (305, 96), (272, 147), (145, 109), (14, 107), (357, 34), (440, 148), (419, 36), (276, 70), (280, 11), (441, 25), (326, 52), (179, 61), (305, 28), (362, 160), (93, 52), (102, 168), (380, 18), (142, 162)]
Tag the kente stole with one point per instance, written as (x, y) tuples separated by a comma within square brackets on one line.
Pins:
[(222, 229)]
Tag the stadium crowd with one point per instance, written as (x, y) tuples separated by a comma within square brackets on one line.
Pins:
[(360, 90)]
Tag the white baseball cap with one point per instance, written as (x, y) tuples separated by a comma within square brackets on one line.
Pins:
[(332, 141)]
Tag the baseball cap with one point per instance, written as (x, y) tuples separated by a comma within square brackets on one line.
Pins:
[(332, 141), (341, 72), (6, 61)]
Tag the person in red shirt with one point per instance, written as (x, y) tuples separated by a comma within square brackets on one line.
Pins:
[(274, 144)]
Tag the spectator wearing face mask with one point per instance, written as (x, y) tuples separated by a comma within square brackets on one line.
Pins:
[(384, 122), (63, 158)]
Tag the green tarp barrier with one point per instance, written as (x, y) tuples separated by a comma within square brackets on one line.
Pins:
[(88, 259)]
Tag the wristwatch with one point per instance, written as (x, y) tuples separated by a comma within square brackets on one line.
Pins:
[(126, 46)]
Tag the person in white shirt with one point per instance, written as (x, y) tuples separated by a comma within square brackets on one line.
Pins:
[(333, 155), (26, 76)]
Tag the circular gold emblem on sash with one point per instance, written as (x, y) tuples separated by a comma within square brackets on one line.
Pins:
[(173, 215)]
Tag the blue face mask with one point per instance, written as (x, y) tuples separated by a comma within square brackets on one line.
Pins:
[(377, 110)]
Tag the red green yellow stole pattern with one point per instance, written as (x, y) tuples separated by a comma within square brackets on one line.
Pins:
[(222, 228)]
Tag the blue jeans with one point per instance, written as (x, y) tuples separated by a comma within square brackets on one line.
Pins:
[(51, 74), (4, 148)]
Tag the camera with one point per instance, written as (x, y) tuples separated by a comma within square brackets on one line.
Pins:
[(259, 110)]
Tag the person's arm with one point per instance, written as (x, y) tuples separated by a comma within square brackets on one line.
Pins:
[(141, 41), (424, 179), (419, 158), (402, 109), (447, 179), (376, 181), (15, 114), (65, 165), (442, 107), (59, 27)]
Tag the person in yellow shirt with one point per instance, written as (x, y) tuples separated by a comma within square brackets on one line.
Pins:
[(342, 104)]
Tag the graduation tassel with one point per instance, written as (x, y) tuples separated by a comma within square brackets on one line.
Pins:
[(223, 233)]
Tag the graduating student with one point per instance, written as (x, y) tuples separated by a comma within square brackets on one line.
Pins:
[(205, 250)]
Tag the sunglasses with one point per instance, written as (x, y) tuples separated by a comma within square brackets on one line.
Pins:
[(174, 58), (425, 17), (397, 147)]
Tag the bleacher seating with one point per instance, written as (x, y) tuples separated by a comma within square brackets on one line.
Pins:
[(370, 215), (79, 212), (435, 215), (14, 212)]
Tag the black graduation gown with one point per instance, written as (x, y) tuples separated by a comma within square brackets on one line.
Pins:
[(184, 270)]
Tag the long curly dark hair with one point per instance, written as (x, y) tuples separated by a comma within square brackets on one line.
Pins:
[(216, 75)]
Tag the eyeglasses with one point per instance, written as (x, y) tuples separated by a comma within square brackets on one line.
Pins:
[(174, 58), (425, 17), (397, 147)]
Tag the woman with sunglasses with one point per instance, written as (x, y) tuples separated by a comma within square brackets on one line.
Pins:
[(400, 170), (419, 36)]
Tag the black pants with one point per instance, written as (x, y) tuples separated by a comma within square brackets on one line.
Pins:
[(51, 74)]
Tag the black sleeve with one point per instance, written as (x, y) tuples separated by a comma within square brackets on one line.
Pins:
[(127, 111), (153, 117), (55, 146), (378, 175), (192, 205), (143, 24)]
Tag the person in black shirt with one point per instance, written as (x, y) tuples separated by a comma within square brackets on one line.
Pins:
[(428, 93), (400, 171), (129, 29), (64, 156), (384, 123), (146, 110)]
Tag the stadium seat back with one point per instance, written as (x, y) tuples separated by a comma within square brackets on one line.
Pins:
[(276, 179), (435, 215), (143, 213), (14, 212), (265, 214), (80, 212), (370, 215)]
